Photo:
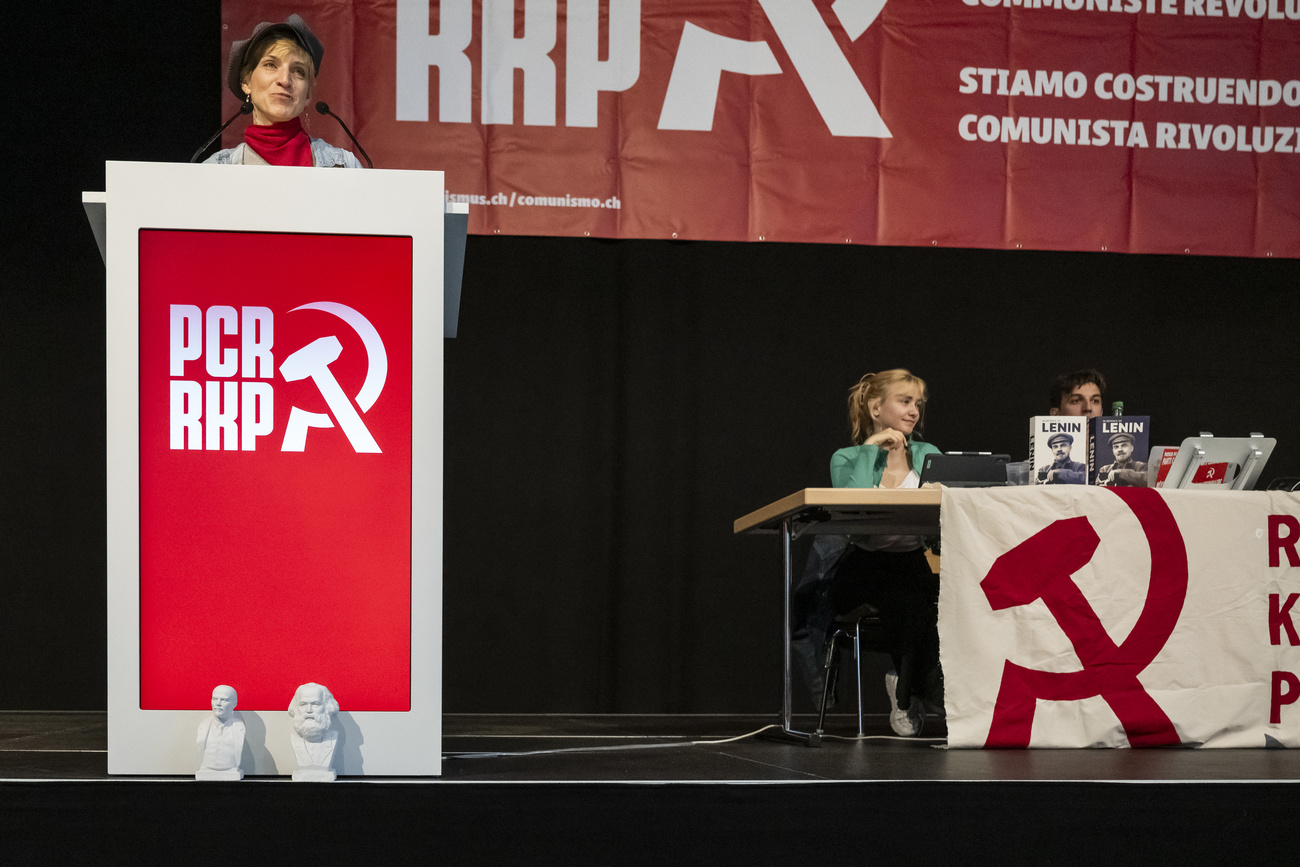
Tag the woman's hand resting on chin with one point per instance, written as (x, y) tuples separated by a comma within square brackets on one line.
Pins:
[(887, 439)]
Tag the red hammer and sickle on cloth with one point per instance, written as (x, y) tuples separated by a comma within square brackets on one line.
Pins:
[(1040, 567)]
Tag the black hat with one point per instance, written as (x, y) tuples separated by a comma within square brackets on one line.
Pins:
[(1114, 438), (1069, 440), (293, 28)]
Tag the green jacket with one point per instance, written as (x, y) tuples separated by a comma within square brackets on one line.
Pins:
[(862, 466)]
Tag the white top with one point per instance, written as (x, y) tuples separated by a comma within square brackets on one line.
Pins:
[(893, 543)]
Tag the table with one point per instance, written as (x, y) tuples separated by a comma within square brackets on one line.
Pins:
[(836, 511)]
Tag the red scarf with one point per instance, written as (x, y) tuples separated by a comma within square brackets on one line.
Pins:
[(280, 144)]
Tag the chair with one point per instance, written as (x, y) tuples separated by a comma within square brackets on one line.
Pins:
[(849, 624)]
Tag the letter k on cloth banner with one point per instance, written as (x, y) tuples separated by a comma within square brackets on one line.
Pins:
[(1111, 617)]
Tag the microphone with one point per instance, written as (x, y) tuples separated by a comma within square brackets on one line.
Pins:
[(324, 108), (246, 108)]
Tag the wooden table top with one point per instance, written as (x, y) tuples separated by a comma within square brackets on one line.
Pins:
[(850, 511)]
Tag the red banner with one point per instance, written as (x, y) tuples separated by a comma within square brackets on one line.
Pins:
[(1151, 126)]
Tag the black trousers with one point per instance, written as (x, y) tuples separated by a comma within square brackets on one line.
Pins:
[(901, 586)]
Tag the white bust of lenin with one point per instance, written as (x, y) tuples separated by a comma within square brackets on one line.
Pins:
[(220, 739)]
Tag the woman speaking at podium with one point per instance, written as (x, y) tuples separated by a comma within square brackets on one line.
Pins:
[(274, 73), (890, 573)]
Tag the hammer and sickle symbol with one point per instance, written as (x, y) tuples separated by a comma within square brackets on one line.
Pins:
[(1040, 567), (313, 362)]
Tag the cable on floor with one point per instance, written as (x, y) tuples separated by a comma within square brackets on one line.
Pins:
[(495, 755), (911, 740), (618, 747)]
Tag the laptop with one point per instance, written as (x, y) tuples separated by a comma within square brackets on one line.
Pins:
[(965, 469)]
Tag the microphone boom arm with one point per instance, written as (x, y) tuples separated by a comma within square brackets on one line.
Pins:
[(246, 108), (323, 108)]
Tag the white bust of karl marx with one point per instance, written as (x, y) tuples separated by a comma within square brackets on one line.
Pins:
[(313, 736)]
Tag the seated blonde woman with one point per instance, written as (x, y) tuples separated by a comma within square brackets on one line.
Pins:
[(891, 572)]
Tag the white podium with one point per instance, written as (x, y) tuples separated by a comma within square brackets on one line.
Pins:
[(274, 450)]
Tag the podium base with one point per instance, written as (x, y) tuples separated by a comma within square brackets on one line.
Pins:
[(209, 775), (314, 775)]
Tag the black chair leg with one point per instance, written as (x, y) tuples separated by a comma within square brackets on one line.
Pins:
[(829, 670)]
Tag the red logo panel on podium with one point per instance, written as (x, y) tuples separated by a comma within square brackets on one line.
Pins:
[(275, 468)]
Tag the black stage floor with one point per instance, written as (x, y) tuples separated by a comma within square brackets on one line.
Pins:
[(644, 789), (628, 748)]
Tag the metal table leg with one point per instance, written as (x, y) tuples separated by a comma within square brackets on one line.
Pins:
[(812, 739)]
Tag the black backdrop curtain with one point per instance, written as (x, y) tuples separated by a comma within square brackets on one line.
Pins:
[(611, 407)]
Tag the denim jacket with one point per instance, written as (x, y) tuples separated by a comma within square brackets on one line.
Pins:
[(323, 155)]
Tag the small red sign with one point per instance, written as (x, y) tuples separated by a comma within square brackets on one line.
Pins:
[(1167, 459), (1210, 474)]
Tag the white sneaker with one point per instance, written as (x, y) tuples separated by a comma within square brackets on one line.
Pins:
[(906, 723)]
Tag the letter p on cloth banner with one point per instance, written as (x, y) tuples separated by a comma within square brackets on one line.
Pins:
[(1085, 617)]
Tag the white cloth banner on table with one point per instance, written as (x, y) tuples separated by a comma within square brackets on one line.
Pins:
[(1110, 617)]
